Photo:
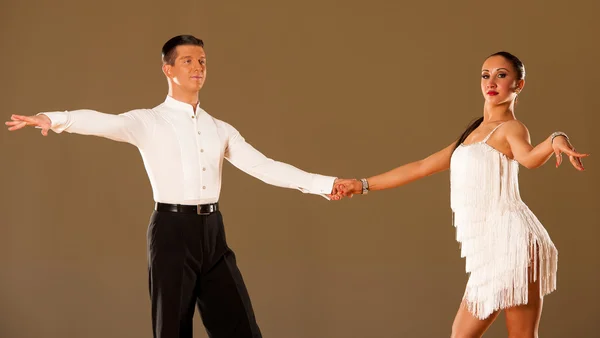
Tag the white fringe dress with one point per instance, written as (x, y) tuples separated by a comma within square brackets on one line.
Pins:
[(503, 243)]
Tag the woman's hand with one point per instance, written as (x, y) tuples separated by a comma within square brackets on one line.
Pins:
[(561, 145), (348, 187)]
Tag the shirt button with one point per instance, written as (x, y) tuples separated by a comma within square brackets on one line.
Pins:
[(193, 116), (201, 150), (203, 169), (204, 187), (199, 133)]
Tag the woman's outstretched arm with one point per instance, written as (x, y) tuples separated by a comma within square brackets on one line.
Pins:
[(401, 175)]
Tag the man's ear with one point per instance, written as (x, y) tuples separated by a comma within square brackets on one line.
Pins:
[(166, 68)]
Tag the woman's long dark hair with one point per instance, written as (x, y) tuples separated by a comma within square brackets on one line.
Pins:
[(519, 69), (468, 131)]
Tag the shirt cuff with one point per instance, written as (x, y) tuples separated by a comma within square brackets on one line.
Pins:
[(320, 185), (58, 120)]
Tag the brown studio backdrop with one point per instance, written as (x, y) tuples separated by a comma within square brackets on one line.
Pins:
[(340, 88)]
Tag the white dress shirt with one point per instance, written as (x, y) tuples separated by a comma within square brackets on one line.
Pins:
[(183, 152)]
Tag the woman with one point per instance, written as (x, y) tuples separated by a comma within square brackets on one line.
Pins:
[(511, 259)]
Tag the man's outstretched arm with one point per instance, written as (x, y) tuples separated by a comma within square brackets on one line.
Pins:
[(127, 127), (253, 162)]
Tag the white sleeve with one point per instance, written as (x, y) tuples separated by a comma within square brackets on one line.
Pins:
[(251, 161), (128, 127)]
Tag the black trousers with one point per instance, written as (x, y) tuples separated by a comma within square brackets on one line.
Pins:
[(191, 265)]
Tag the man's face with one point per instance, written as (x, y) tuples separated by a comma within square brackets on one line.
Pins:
[(188, 71)]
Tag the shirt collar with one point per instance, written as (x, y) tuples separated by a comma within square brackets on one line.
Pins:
[(181, 106)]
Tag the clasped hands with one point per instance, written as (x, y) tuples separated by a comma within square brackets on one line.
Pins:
[(344, 187)]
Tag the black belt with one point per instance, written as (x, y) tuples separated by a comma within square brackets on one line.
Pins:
[(200, 209)]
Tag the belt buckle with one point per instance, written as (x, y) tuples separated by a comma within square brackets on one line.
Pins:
[(199, 210)]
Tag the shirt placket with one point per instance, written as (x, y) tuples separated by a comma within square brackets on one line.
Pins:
[(200, 144)]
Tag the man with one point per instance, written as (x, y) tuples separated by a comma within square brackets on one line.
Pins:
[(183, 147)]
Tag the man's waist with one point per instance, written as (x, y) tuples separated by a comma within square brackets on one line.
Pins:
[(170, 197), (199, 209)]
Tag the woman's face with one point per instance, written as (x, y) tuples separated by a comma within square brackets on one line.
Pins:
[(499, 80)]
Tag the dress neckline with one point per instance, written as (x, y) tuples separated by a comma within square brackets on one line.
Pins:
[(489, 147)]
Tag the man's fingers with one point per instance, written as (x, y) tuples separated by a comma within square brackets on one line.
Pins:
[(19, 121), (17, 126), (21, 118), (27, 120)]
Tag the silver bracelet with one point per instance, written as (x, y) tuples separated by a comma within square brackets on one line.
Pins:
[(365, 186), (557, 133)]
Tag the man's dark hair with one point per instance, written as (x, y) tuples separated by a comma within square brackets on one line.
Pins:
[(169, 48)]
